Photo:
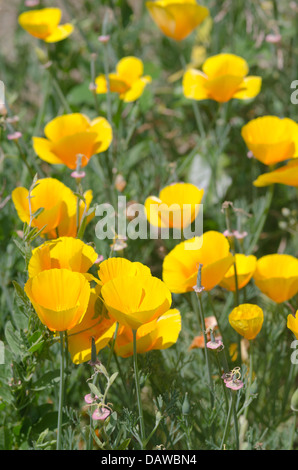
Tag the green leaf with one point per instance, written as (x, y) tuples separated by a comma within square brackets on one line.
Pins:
[(124, 444), (49, 379), (14, 340)]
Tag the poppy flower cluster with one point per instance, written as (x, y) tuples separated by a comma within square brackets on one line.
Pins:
[(59, 287)]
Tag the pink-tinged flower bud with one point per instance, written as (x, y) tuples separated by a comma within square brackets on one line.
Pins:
[(99, 259), (31, 3), (234, 384), (15, 136), (89, 399), (273, 38), (101, 414), (216, 344), (104, 38), (78, 175)]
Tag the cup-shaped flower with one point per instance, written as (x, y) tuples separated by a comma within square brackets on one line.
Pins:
[(128, 80), (286, 174), (62, 253), (57, 201), (181, 265), (68, 227), (44, 24), (277, 276), (223, 77), (135, 300), (176, 207), (117, 267), (271, 139), (60, 297), (177, 18), (247, 320), (245, 267), (93, 325), (160, 333), (292, 323), (73, 138)]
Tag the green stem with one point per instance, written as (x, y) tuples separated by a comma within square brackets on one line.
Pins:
[(250, 377), (112, 346), (262, 221), (138, 389), (61, 95), (198, 307), (226, 431), (61, 391)]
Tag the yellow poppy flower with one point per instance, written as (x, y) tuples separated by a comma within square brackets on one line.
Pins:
[(247, 320), (44, 24), (287, 174), (177, 18), (160, 334), (60, 297), (223, 77), (128, 80), (60, 205), (92, 325), (116, 267), (176, 207), (135, 300), (73, 136), (181, 265), (64, 252), (245, 266), (68, 226), (277, 276), (292, 323), (271, 139)]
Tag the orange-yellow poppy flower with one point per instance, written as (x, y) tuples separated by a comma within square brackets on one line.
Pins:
[(116, 267), (92, 325), (181, 265), (68, 226), (223, 77), (71, 137), (271, 139), (62, 253), (177, 18), (292, 323), (287, 174), (245, 267), (128, 80), (247, 320), (277, 276), (160, 334), (176, 207), (57, 200), (135, 300), (44, 24), (60, 297)]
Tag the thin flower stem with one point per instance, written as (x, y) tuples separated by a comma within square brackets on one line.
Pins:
[(256, 237), (138, 389), (112, 345), (198, 307), (235, 417), (226, 431), (250, 377), (61, 392), (61, 95)]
